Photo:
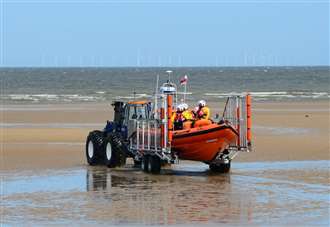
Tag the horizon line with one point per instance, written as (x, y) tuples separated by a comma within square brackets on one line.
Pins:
[(201, 66)]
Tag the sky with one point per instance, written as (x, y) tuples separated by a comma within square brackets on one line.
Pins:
[(101, 33)]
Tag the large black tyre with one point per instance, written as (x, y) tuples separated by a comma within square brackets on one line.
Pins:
[(145, 163), (220, 167), (121, 149), (113, 153), (154, 164), (94, 145)]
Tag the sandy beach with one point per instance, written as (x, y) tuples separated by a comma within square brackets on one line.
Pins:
[(53, 136), (284, 181), (43, 168)]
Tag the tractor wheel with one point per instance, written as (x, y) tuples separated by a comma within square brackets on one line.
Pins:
[(113, 154), (120, 149), (145, 163), (154, 164), (220, 167), (94, 144)]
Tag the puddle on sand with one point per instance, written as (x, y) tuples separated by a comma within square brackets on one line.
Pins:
[(280, 193)]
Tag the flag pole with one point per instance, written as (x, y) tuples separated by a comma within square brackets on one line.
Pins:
[(185, 91), (184, 82)]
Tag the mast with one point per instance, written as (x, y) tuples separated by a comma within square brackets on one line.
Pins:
[(156, 96), (169, 75)]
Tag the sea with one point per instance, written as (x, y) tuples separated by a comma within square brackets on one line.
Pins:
[(91, 85)]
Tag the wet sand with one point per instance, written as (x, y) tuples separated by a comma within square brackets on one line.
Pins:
[(45, 178), (256, 193)]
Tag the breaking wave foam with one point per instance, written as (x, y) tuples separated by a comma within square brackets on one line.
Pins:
[(100, 96), (36, 98), (134, 96), (268, 95)]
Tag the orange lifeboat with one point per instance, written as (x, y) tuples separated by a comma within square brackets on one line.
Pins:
[(204, 141)]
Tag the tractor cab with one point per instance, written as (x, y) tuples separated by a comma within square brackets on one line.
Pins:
[(134, 111), (125, 116), (137, 110)]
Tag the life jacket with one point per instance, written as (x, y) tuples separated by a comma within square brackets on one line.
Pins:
[(203, 113), (177, 121), (187, 115), (173, 117)]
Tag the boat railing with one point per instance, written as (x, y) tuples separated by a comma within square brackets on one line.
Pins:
[(237, 112)]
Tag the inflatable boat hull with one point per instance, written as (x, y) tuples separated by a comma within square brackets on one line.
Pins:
[(203, 143)]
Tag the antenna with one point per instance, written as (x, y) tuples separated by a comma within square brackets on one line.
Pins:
[(169, 74)]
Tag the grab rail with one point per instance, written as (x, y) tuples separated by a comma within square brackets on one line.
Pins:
[(237, 112), (148, 135)]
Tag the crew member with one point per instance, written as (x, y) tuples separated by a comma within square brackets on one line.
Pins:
[(174, 114), (177, 118), (187, 114), (203, 111), (194, 112)]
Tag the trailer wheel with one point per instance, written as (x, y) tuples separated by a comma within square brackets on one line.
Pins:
[(154, 164), (94, 143), (145, 163), (220, 167)]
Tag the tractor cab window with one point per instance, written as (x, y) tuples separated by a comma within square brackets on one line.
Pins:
[(138, 112)]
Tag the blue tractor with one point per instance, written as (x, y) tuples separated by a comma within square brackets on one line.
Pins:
[(110, 146)]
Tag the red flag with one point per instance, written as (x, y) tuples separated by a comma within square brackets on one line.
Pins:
[(184, 80)]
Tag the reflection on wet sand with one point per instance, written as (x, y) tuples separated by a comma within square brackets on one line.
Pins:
[(253, 193), (166, 199)]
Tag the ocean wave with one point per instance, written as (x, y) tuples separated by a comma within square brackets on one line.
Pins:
[(266, 95), (182, 93), (36, 98), (134, 96), (19, 97), (98, 96)]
